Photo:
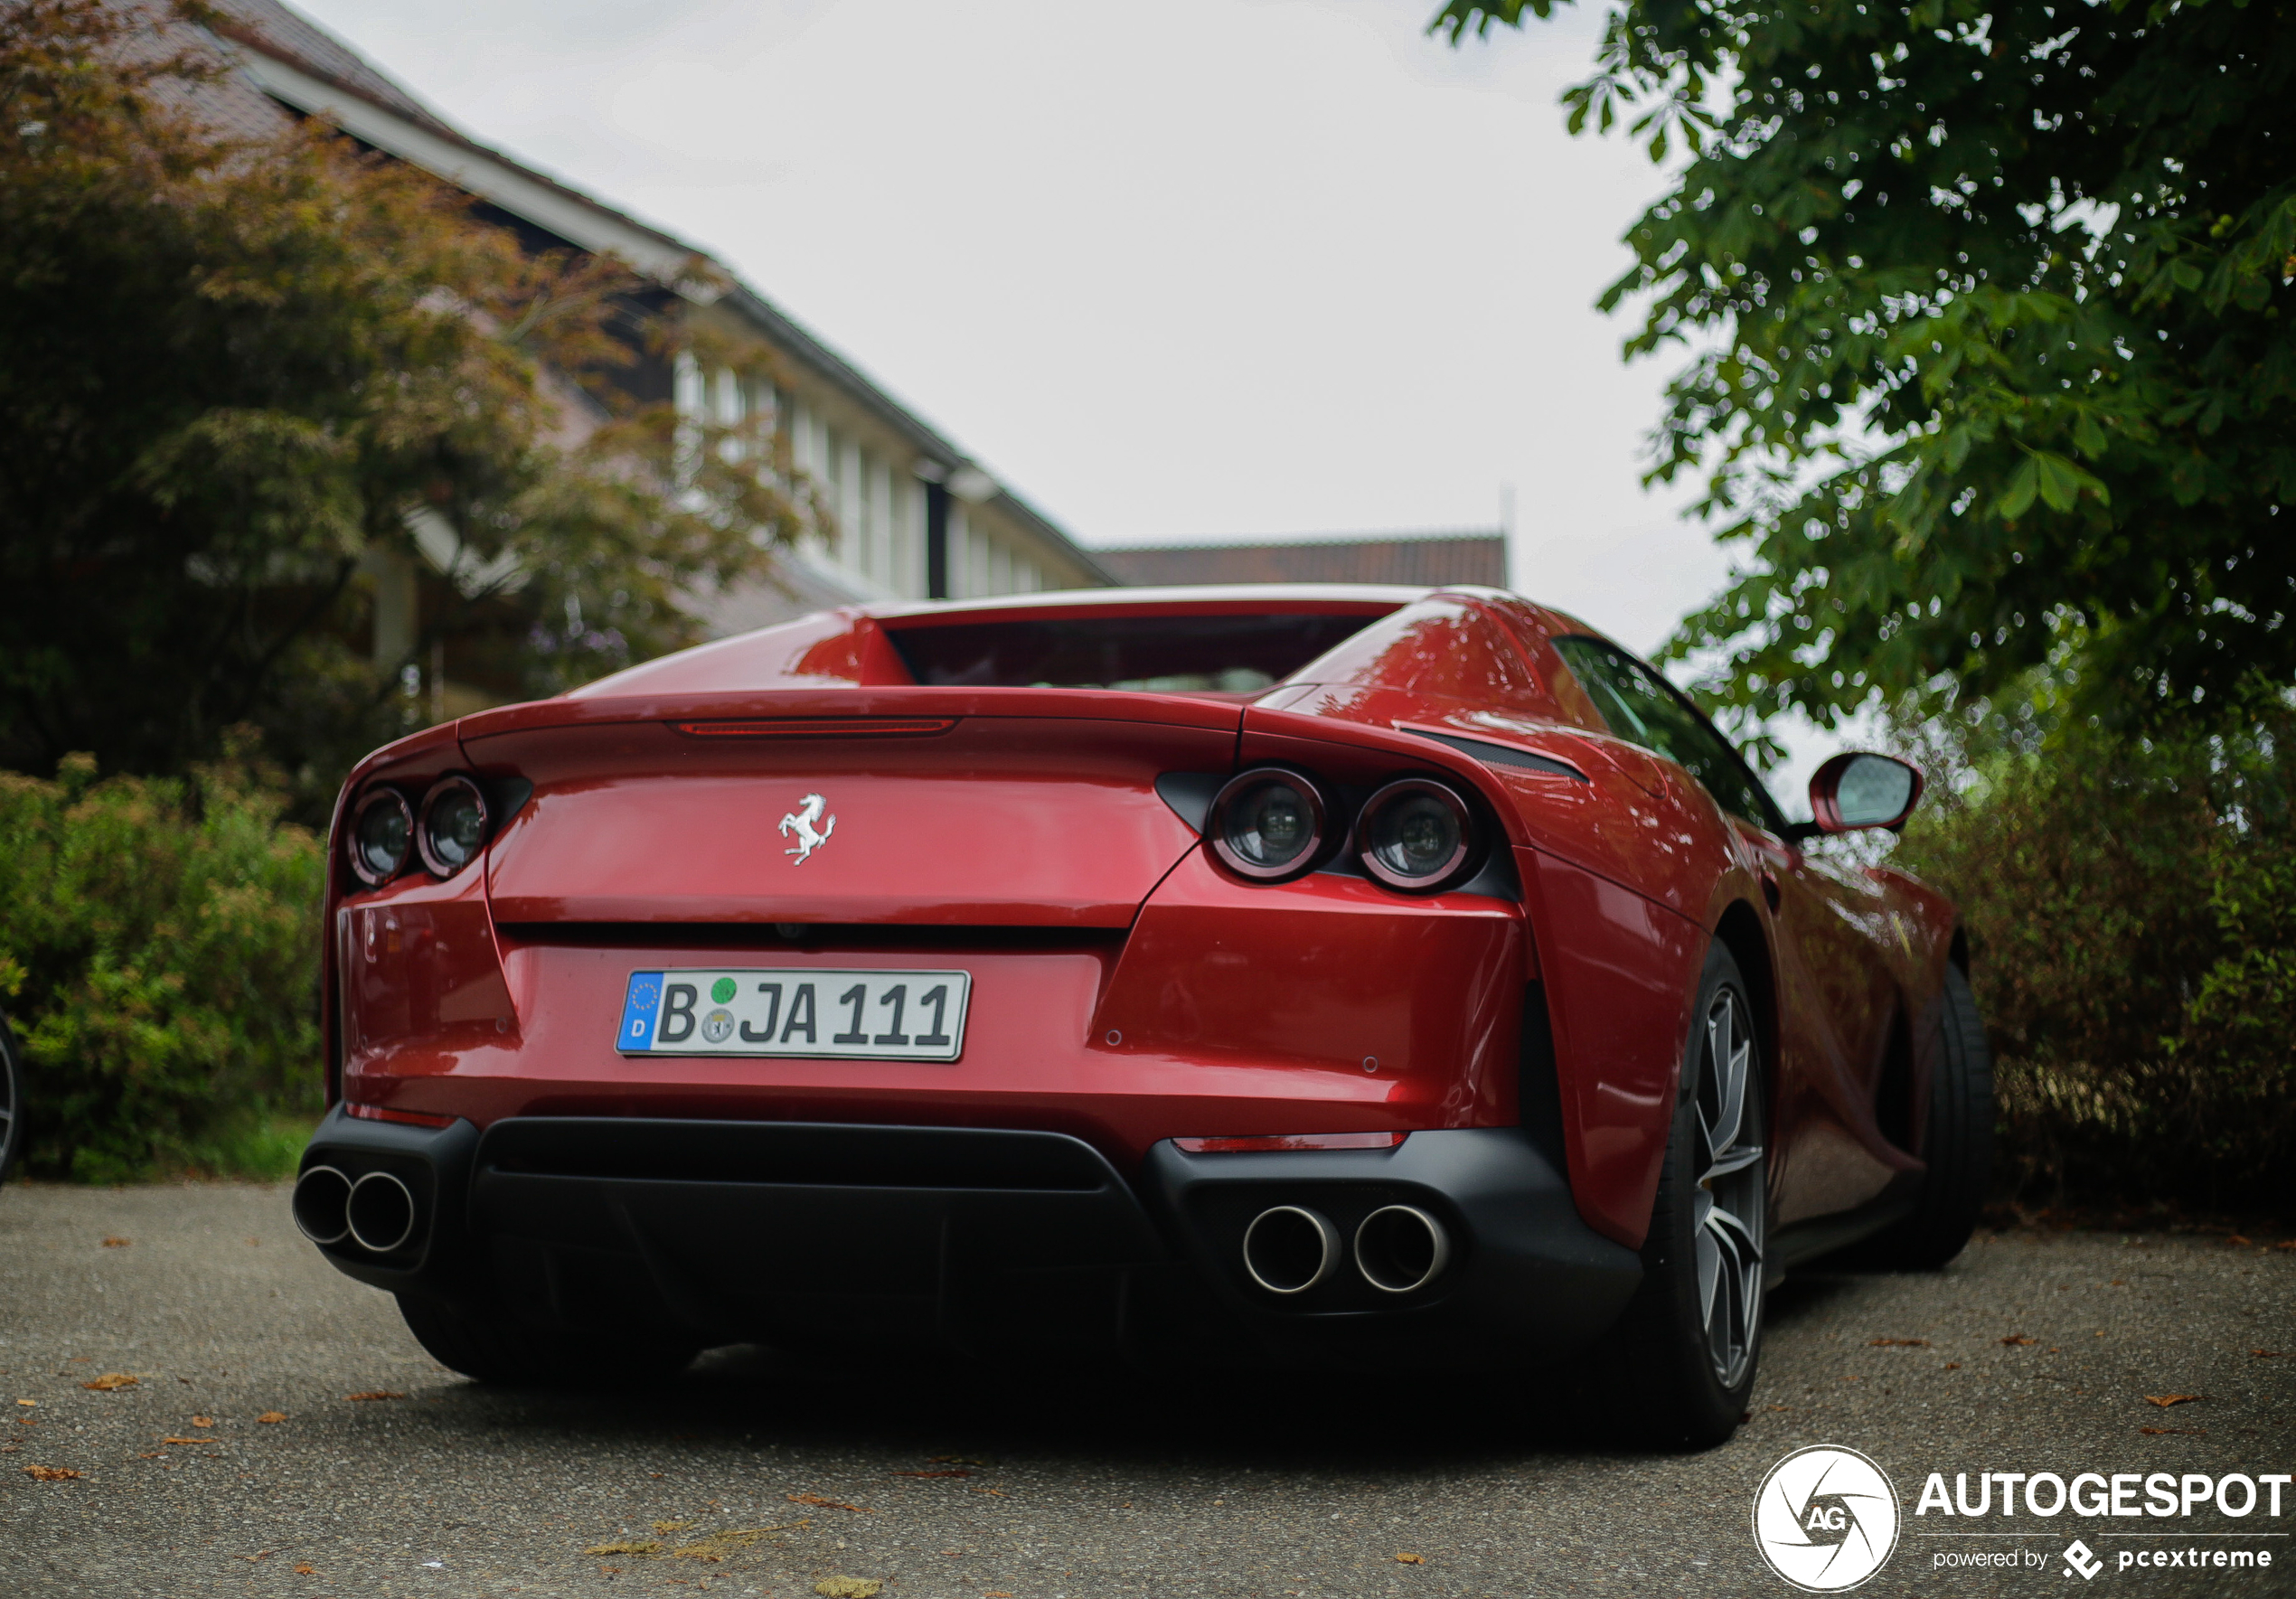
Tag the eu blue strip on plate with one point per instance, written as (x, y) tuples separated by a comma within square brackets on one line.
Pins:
[(640, 1010)]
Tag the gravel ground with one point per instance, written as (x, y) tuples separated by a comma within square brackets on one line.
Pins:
[(327, 1455)]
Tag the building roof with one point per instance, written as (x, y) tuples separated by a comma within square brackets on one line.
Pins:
[(1423, 560)]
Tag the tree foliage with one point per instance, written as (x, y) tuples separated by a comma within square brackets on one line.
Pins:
[(235, 370), (1987, 308)]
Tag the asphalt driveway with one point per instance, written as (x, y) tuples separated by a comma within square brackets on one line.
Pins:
[(284, 1436)]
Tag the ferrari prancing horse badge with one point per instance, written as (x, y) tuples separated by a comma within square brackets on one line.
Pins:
[(801, 822)]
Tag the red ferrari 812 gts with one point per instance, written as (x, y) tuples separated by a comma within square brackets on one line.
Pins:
[(1328, 976)]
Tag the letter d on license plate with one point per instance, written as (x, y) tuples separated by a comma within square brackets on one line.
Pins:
[(880, 1015)]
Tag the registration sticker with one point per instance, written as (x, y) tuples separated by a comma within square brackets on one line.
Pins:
[(872, 1015)]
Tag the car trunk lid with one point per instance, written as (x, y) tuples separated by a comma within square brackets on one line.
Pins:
[(1011, 807)]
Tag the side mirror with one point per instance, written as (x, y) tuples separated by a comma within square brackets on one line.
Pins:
[(1854, 791)]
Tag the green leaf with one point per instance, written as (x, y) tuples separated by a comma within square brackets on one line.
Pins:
[(2023, 483)]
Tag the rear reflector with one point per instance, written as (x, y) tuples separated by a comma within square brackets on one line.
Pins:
[(412, 1118), (1254, 1143), (820, 727)]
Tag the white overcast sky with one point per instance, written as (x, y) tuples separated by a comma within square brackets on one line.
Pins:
[(1198, 269), (1189, 270)]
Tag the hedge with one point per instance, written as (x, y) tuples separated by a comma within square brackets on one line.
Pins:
[(159, 962), (2131, 913)]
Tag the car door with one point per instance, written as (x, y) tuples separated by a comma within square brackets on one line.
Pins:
[(1834, 993)]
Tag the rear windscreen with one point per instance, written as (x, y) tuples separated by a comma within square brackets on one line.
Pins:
[(1171, 654)]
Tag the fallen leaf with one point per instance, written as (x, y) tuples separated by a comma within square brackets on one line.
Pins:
[(719, 1545), (304, 1568), (826, 1504), (1898, 1343), (957, 1471), (2017, 1339), (270, 1416), (182, 1440), (998, 1492), (1952, 1365), (375, 1394), (671, 1525), (644, 1547), (996, 1594), (110, 1381), (2179, 1432), (2236, 1238), (2286, 1244), (848, 1587), (1411, 1559), (117, 1243), (27, 1420), (27, 1401), (50, 1474), (203, 1421), (266, 1555), (2165, 1400), (2269, 1354)]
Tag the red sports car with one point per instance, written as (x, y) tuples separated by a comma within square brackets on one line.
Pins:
[(1321, 974)]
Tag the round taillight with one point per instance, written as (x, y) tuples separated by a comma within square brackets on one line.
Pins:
[(452, 826), (381, 832), (1417, 835), (1270, 824)]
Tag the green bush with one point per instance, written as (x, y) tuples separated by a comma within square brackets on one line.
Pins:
[(159, 961), (2132, 912)]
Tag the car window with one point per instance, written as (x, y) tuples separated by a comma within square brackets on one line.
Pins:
[(1167, 654), (1642, 708)]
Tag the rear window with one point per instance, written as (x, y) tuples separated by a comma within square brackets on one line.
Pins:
[(1170, 654)]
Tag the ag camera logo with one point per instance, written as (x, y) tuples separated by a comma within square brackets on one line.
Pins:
[(1825, 1519)]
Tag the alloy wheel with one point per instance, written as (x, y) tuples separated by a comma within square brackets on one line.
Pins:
[(1729, 1216)]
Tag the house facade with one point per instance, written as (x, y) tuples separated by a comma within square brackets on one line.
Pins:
[(912, 515)]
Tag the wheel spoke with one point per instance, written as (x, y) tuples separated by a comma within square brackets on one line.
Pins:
[(1728, 1210), (1732, 1233), (1709, 1254)]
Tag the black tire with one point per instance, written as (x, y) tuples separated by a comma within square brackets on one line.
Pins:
[(1957, 1143), (488, 1347), (1662, 1365), (11, 1102)]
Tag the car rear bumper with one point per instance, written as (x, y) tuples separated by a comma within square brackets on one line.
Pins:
[(992, 1241)]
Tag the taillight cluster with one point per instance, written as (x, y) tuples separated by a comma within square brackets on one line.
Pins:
[(446, 830), (1416, 836)]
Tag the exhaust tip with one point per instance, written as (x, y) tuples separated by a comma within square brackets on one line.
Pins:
[(381, 1213), (1401, 1247), (1289, 1249), (322, 1205)]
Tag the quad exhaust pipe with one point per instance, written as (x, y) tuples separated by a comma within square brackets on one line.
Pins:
[(1398, 1248), (322, 1205), (376, 1211)]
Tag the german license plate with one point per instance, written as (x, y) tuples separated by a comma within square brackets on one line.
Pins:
[(881, 1015)]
